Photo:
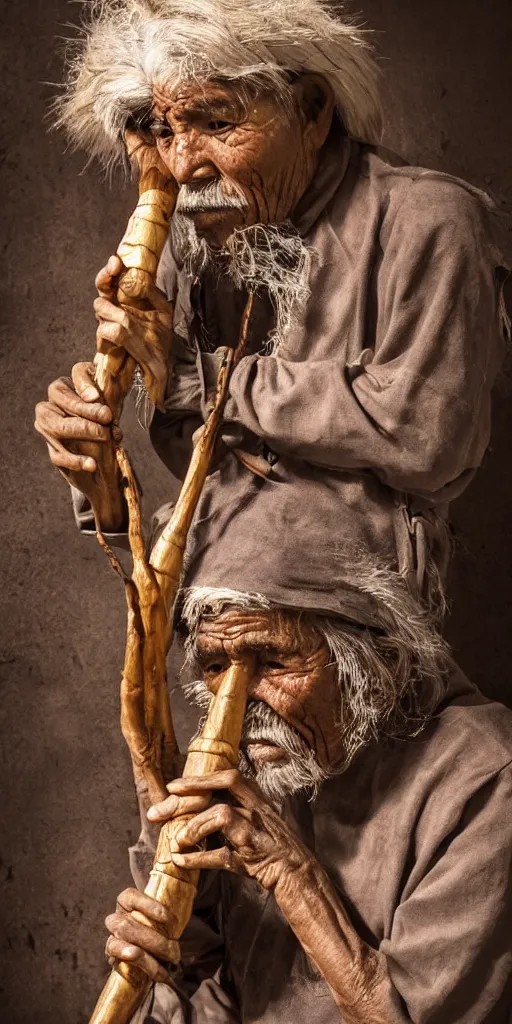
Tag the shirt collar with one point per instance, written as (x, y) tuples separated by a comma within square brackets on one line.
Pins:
[(332, 166)]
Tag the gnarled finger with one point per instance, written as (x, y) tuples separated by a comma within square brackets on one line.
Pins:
[(75, 428), (72, 404), (132, 899), (82, 375), (106, 310), (232, 822), (134, 954), (62, 458), (247, 793), (222, 859), (125, 926), (110, 336), (174, 807), (106, 279)]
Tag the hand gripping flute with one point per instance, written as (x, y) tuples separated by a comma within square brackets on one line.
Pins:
[(146, 718)]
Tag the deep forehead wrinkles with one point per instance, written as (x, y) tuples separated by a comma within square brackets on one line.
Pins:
[(197, 100), (237, 631)]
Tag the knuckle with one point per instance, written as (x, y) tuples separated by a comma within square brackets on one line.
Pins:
[(137, 955), (40, 411), (226, 815), (122, 926), (124, 898), (111, 922), (115, 333)]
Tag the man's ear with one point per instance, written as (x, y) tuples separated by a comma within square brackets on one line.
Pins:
[(315, 99)]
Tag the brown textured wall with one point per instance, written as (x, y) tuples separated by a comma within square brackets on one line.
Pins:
[(67, 801)]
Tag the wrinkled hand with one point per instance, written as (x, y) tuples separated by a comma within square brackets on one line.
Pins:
[(259, 843), (144, 334), (136, 943), (74, 413)]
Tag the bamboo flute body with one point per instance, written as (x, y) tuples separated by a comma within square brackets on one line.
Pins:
[(140, 250), (216, 748)]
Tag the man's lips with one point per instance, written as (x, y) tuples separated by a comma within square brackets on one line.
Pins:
[(263, 750)]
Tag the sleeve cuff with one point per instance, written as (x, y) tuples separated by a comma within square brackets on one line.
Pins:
[(84, 519)]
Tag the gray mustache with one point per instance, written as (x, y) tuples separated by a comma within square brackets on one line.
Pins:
[(263, 724), (207, 198)]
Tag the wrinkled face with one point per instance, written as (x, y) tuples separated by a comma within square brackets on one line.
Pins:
[(293, 677), (238, 163)]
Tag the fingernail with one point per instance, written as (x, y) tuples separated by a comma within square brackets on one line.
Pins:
[(127, 951), (179, 859), (89, 465), (153, 813), (90, 394)]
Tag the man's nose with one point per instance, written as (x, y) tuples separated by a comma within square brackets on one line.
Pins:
[(187, 159)]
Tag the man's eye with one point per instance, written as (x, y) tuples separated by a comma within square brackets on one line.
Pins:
[(218, 126), (274, 664), (161, 130), (215, 667)]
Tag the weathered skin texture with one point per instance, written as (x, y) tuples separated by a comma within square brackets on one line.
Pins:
[(202, 135), (292, 674), (75, 412), (294, 677), (205, 134)]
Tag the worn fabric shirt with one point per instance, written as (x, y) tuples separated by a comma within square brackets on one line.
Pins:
[(376, 405), (416, 836)]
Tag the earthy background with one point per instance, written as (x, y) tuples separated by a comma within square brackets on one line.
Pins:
[(69, 810)]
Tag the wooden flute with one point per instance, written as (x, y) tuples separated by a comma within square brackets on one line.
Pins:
[(151, 592)]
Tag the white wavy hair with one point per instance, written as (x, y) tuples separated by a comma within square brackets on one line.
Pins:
[(391, 680), (128, 45)]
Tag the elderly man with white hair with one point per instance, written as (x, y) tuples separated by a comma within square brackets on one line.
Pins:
[(360, 861)]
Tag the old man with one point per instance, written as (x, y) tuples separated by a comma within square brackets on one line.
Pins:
[(320, 542), (370, 828)]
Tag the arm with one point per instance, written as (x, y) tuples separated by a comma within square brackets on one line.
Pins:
[(261, 845), (416, 408)]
